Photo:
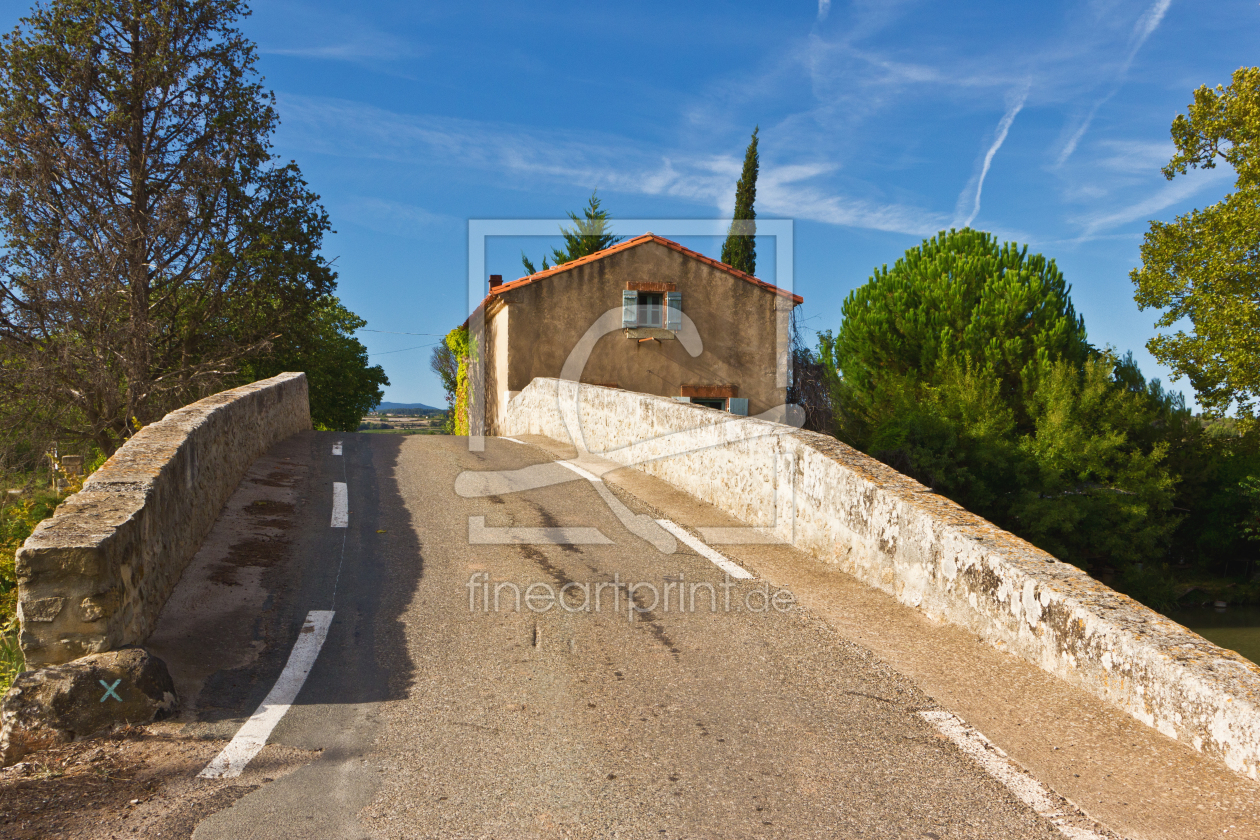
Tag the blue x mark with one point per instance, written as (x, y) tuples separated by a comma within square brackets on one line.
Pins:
[(109, 689)]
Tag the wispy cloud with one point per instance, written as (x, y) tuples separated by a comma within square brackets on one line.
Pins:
[(531, 157), (355, 50), (1014, 104), (395, 218), (1142, 30), (1176, 192), (824, 7)]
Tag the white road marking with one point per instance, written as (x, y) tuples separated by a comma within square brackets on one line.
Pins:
[(735, 571), (737, 536), (253, 735), (641, 526), (337, 448), (1061, 813), (479, 534), (514, 440), (589, 476), (341, 505)]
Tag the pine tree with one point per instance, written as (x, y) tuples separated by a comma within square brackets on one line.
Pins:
[(589, 235), (740, 249)]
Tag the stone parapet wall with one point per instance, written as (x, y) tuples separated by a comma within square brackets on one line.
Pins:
[(891, 532), (94, 576)]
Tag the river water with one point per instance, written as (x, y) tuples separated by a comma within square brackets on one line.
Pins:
[(1237, 628)]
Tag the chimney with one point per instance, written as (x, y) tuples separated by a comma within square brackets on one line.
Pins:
[(496, 280)]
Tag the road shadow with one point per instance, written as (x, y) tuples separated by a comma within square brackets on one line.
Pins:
[(272, 557)]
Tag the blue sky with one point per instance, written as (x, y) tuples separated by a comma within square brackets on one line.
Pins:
[(881, 123)]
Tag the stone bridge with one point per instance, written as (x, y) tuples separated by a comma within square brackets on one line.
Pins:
[(626, 617)]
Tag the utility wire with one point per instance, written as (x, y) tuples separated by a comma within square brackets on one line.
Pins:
[(404, 350), (391, 332)]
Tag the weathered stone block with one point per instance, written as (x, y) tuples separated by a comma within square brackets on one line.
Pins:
[(82, 698), (42, 609)]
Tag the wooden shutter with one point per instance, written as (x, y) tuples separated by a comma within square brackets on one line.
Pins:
[(673, 310), (629, 308)]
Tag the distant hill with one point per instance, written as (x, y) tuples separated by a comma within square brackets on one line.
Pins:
[(392, 406)]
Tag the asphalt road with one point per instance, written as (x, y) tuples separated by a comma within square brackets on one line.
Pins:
[(434, 719)]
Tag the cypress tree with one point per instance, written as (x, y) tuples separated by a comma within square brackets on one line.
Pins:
[(740, 249)]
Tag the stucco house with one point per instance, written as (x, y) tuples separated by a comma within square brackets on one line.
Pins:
[(645, 315)]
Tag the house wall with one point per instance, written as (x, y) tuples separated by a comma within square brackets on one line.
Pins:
[(739, 325)]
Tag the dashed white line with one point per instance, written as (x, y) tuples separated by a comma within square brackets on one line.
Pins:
[(252, 737), (341, 505), (1061, 813), (732, 569), (337, 448), (514, 440)]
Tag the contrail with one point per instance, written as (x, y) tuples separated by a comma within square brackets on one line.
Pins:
[(1013, 107), (1142, 30)]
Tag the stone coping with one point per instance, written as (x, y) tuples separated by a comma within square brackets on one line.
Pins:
[(891, 532), (95, 575)]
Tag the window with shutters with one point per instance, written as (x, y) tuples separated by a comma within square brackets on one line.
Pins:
[(651, 309), (656, 307)]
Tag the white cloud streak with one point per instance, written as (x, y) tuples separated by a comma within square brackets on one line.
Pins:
[(824, 8), (1142, 30), (1175, 193), (1014, 104), (532, 156)]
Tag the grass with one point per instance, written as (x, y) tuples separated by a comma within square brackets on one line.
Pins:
[(12, 662)]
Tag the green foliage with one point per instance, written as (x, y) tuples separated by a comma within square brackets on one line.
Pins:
[(343, 387), (740, 249), (12, 662), (464, 349), (1205, 266), (152, 242), (588, 235), (959, 298), (967, 367), (18, 518), (1250, 525)]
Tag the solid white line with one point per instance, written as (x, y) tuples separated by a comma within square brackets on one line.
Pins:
[(337, 448), (704, 551), (1027, 789), (252, 737), (589, 476), (341, 505), (514, 440)]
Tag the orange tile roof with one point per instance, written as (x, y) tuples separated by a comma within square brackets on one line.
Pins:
[(630, 243)]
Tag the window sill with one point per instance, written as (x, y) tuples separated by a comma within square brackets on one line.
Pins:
[(650, 332)]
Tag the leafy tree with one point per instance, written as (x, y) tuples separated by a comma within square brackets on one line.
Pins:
[(446, 366), (967, 367), (342, 386), (588, 235), (152, 245), (740, 249), (1205, 266)]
